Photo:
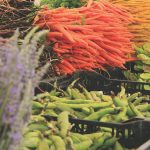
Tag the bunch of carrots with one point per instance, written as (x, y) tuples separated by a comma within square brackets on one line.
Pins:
[(140, 10), (92, 36)]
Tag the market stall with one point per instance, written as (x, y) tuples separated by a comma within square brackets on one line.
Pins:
[(75, 76)]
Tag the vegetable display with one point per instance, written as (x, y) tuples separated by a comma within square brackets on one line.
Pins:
[(142, 65), (140, 11), (91, 105), (56, 135), (92, 36), (61, 3)]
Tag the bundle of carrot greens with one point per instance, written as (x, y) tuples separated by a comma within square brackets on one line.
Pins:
[(92, 36)]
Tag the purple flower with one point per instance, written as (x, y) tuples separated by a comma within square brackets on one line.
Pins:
[(17, 83)]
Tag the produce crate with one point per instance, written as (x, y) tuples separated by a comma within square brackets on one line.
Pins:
[(132, 133), (95, 81), (100, 81), (145, 146)]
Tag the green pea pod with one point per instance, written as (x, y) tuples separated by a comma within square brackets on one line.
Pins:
[(63, 123), (119, 103), (83, 145), (118, 146), (69, 91), (31, 142), (49, 142), (106, 118), (86, 93), (73, 113), (36, 111), (135, 110), (133, 96), (55, 98), (75, 139), (143, 107), (52, 147), (37, 118), (58, 142), (94, 105), (40, 96), (97, 115), (147, 114), (43, 145), (76, 101), (130, 113), (50, 106), (94, 136), (50, 112), (32, 134), (37, 105), (86, 110), (119, 117), (109, 142), (99, 142), (75, 94), (138, 100), (80, 136), (106, 98), (37, 126), (94, 96), (69, 143)]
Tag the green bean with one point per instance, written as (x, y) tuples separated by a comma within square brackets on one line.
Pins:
[(143, 107), (87, 94), (52, 147), (138, 100), (109, 142), (135, 110), (119, 103), (94, 105), (69, 143), (130, 113), (58, 142), (99, 142), (37, 105), (133, 96), (75, 139), (50, 112), (75, 94), (86, 110), (83, 145), (119, 117), (43, 145), (80, 136), (94, 136), (63, 123), (97, 115), (94, 96), (50, 106), (66, 108), (76, 101)]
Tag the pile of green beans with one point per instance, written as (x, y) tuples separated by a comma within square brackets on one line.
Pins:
[(41, 134), (56, 135), (91, 105)]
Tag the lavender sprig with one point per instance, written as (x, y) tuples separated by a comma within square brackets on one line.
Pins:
[(18, 78)]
